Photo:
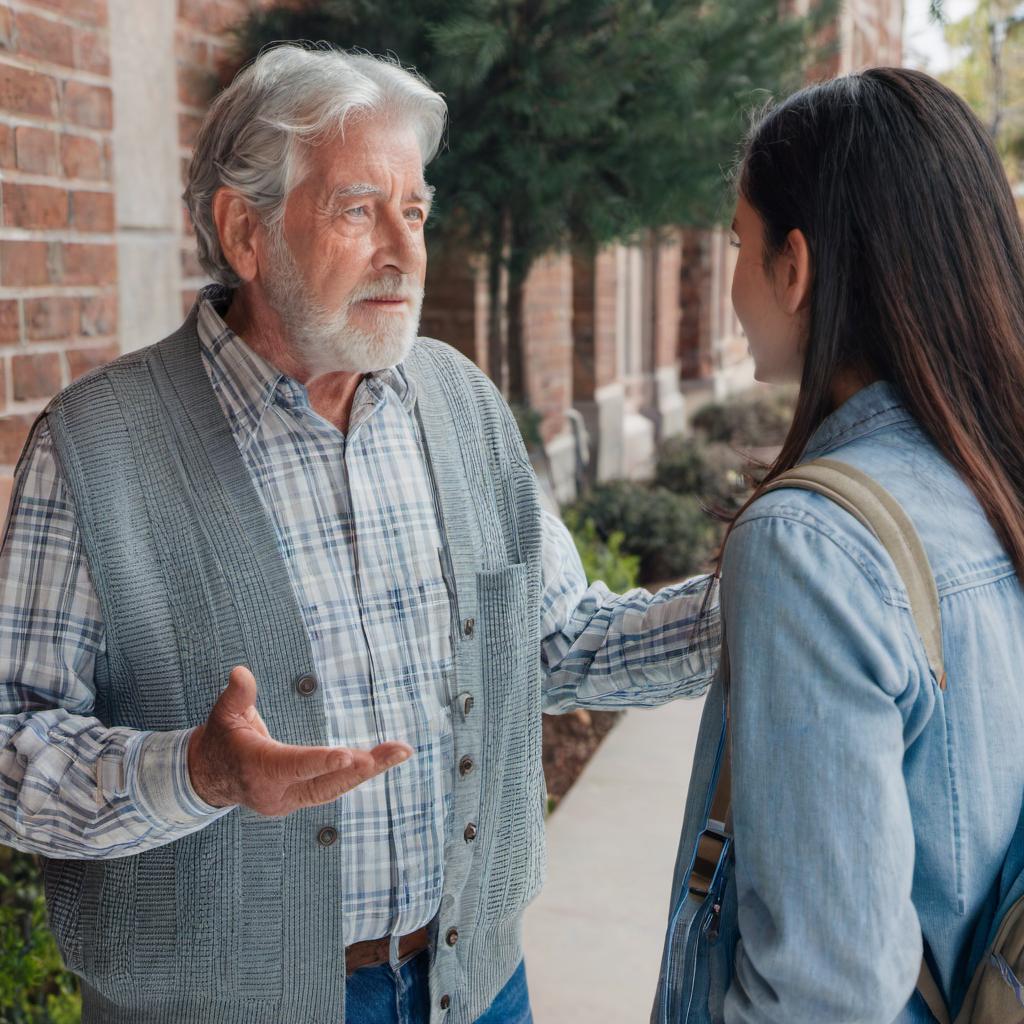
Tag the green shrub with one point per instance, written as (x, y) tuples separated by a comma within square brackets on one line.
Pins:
[(671, 533), (715, 473), (603, 559), (751, 419), (34, 986)]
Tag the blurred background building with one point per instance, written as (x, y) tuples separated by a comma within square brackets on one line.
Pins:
[(99, 103)]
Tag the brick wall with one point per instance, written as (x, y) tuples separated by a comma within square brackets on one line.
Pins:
[(58, 260), (204, 58), (547, 341)]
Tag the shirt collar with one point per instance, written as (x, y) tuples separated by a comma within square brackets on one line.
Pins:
[(247, 383), (875, 406)]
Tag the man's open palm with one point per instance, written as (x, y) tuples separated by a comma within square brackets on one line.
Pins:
[(233, 759)]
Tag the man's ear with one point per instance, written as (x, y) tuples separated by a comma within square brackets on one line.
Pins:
[(236, 225), (795, 260)]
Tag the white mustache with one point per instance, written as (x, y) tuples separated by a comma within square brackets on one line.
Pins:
[(387, 288)]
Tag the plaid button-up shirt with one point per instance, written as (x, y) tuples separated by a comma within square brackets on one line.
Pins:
[(356, 522)]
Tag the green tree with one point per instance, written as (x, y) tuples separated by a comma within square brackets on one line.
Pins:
[(572, 121)]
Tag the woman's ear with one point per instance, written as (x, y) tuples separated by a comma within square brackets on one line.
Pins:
[(236, 227), (795, 262)]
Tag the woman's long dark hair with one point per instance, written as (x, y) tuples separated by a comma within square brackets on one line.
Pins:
[(917, 257)]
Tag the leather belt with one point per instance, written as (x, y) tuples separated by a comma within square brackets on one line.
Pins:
[(374, 952)]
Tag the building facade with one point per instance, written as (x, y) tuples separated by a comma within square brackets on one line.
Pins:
[(99, 104)]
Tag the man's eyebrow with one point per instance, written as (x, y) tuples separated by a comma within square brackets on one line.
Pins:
[(424, 194), (359, 190), (362, 190)]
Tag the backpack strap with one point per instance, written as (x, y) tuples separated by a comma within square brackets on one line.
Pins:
[(872, 506)]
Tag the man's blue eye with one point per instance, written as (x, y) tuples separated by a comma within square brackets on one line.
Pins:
[(357, 210)]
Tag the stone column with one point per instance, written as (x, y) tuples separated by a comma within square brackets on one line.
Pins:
[(147, 188)]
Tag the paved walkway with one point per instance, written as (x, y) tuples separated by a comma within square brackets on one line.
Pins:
[(594, 935)]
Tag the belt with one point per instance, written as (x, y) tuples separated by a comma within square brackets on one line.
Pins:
[(374, 952)]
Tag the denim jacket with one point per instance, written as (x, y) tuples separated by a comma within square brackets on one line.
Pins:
[(869, 805)]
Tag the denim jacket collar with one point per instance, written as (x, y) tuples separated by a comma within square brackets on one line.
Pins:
[(873, 407)]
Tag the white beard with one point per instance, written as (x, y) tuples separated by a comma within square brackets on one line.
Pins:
[(325, 341)]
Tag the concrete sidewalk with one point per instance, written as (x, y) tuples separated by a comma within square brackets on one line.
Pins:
[(594, 936)]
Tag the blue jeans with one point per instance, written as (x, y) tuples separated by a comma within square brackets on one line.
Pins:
[(380, 995)]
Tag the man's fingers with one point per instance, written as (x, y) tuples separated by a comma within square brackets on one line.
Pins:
[(240, 693), (286, 763), (364, 765)]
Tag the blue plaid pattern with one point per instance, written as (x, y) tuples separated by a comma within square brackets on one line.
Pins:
[(355, 520)]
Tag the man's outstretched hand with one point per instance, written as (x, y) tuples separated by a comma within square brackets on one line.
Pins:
[(232, 759)]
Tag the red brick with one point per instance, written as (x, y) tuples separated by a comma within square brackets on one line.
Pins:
[(27, 92), (92, 51), (35, 206), (92, 211), (98, 315), (51, 318), (45, 39), (88, 105), (82, 360), (37, 376), (25, 263), (89, 264), (188, 128), (37, 150), (92, 11), (83, 158), (212, 16), (8, 156), (6, 28), (10, 327), (13, 434), (196, 87)]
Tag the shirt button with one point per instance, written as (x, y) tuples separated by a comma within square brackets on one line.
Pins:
[(465, 765), (467, 705), (452, 936), (305, 684), (446, 1001), (470, 834), (327, 836), (468, 626)]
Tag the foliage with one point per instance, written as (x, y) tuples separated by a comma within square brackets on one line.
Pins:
[(715, 473), (571, 120), (749, 419), (603, 559), (528, 420), (990, 74), (34, 986), (671, 533)]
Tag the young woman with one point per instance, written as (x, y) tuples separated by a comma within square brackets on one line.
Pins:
[(875, 815)]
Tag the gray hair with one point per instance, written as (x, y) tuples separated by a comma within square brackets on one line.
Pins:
[(293, 94)]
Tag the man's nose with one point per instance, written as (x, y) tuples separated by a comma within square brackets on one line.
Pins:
[(399, 247)]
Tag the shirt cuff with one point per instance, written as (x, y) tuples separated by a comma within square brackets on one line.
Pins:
[(162, 787)]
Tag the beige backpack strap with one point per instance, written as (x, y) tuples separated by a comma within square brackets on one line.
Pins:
[(871, 505), (879, 512), (930, 993)]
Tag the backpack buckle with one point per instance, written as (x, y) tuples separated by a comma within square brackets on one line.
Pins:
[(713, 847)]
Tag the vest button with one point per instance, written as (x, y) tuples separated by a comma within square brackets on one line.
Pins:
[(470, 834), (305, 684), (452, 936), (467, 705), (446, 1001), (327, 836), (465, 765), (468, 626)]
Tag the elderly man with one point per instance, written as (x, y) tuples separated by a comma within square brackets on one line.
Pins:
[(279, 601)]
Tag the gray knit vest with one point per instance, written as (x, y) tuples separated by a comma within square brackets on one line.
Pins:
[(241, 922)]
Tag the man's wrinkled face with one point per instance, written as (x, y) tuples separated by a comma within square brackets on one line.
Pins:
[(345, 267)]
